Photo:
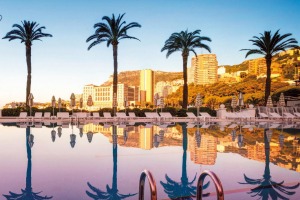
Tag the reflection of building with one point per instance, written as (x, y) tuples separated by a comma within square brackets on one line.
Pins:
[(147, 85), (146, 138), (205, 67), (206, 153)]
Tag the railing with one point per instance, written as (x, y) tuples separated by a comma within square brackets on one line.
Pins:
[(152, 184), (215, 179)]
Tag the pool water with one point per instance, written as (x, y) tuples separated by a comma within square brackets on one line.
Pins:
[(105, 162)]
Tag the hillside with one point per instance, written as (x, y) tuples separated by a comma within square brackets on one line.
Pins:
[(132, 78)]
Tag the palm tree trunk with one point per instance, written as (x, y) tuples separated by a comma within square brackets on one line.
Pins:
[(115, 160), (28, 61), (268, 80), (115, 78), (267, 154), (28, 172), (185, 86), (184, 178)]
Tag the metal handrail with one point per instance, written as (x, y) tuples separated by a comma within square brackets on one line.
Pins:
[(152, 184), (215, 179)]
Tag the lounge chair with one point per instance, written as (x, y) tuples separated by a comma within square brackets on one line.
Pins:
[(107, 115), (95, 115), (152, 115), (274, 113), (81, 115), (131, 114), (205, 116), (47, 115), (23, 116), (63, 116), (288, 113), (166, 115), (297, 111), (121, 115), (37, 116), (262, 112)]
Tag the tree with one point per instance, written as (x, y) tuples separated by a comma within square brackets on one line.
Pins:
[(27, 32), (268, 45), (112, 32), (185, 42)]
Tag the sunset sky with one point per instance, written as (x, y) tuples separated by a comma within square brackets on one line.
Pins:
[(62, 64)]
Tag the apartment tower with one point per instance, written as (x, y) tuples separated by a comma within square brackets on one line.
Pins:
[(205, 68), (147, 86)]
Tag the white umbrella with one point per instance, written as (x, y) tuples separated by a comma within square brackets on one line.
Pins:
[(198, 103), (72, 98), (81, 103), (53, 103), (198, 100), (241, 99), (269, 102), (281, 100), (90, 101)]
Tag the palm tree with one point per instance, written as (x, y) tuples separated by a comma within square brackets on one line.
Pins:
[(112, 32), (27, 193), (268, 45), (185, 188), (185, 42), (27, 33), (268, 188), (112, 193)]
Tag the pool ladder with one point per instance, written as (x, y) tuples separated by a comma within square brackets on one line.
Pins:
[(153, 191)]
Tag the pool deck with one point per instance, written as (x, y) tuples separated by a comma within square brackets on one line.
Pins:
[(132, 120)]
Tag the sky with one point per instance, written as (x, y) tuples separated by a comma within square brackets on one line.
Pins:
[(62, 65)]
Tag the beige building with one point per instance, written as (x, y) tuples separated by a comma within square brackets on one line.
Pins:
[(102, 95), (147, 80), (205, 68)]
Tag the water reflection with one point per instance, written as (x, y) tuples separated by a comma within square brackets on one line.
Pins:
[(111, 193), (266, 187), (27, 193), (185, 188)]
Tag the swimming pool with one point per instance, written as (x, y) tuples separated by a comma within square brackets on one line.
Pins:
[(86, 162)]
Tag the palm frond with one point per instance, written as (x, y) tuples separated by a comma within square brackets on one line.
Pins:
[(27, 32)]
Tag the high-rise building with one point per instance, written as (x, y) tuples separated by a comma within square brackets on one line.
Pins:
[(205, 67), (147, 80)]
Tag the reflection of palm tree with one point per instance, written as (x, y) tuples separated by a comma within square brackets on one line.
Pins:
[(112, 193), (266, 186), (27, 193), (183, 189)]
